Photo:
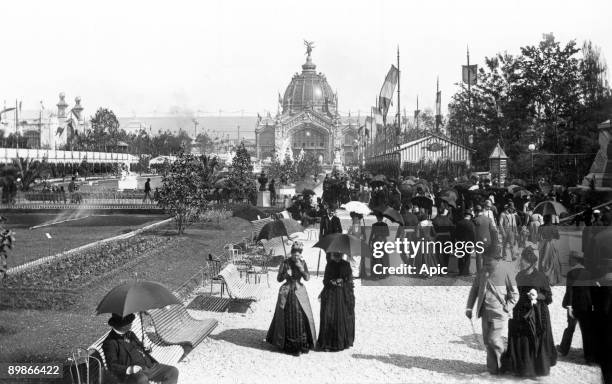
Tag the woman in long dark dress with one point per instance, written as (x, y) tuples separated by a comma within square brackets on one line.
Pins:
[(293, 328), (380, 233), (337, 327), (531, 349)]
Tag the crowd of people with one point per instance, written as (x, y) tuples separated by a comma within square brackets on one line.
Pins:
[(514, 237)]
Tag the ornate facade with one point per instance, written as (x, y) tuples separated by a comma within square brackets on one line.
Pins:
[(308, 120)]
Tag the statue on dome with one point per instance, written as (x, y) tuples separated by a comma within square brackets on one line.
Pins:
[(309, 46)]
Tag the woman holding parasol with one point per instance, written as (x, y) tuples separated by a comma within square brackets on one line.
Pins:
[(293, 328)]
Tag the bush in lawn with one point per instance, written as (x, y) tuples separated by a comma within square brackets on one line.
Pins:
[(183, 190), (216, 214), (241, 181)]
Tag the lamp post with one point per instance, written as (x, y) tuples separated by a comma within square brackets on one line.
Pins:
[(531, 148)]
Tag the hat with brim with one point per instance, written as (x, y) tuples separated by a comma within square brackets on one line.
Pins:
[(117, 321)]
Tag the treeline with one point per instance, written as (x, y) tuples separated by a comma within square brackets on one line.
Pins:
[(551, 95)]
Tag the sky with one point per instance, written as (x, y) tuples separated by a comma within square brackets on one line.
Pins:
[(153, 58)]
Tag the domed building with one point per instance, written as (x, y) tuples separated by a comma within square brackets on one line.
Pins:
[(308, 120)]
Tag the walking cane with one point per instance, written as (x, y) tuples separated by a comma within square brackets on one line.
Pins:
[(476, 335), (318, 263)]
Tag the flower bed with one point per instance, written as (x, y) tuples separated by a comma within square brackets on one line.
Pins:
[(56, 284)]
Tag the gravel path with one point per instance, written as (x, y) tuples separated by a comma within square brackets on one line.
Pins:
[(404, 334)]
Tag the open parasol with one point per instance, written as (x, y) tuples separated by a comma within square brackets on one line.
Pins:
[(278, 228), (357, 207), (389, 213), (550, 208), (136, 296), (343, 243)]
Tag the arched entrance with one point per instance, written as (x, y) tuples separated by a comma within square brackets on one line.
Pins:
[(310, 138)]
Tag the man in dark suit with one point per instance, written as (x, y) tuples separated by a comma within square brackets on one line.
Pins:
[(485, 232), (444, 228), (330, 223), (579, 306), (465, 232), (127, 358)]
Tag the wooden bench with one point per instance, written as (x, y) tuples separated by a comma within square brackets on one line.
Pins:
[(170, 333), (175, 326), (238, 289)]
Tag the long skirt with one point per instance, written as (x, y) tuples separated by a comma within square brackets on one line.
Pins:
[(528, 355), (337, 328), (296, 326), (425, 260), (549, 262)]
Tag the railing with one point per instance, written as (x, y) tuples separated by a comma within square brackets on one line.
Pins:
[(83, 197)]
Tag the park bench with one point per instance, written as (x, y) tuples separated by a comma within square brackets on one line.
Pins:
[(238, 289), (170, 332), (174, 325)]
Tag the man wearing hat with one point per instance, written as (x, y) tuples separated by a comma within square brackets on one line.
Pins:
[(579, 305), (494, 294), (485, 232), (465, 232), (508, 229), (127, 358)]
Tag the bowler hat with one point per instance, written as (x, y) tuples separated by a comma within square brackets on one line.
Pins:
[(117, 321)]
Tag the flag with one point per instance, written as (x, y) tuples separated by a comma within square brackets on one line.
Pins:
[(417, 112), (470, 72), (386, 92), (59, 131), (439, 103)]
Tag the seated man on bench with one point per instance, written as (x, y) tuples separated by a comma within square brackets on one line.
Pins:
[(127, 358)]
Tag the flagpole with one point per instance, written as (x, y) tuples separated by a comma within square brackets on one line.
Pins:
[(469, 92), (437, 118), (398, 97), (16, 123), (417, 114)]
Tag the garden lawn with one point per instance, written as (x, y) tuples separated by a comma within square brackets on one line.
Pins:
[(32, 244), (49, 336)]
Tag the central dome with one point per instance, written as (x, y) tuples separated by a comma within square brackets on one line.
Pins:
[(309, 90)]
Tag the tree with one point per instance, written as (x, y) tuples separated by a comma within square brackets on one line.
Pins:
[(548, 95), (85, 168), (29, 170), (183, 190), (241, 181)]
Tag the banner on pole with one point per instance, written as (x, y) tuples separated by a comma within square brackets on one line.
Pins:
[(470, 74)]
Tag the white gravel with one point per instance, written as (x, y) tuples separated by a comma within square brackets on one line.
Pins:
[(404, 334)]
